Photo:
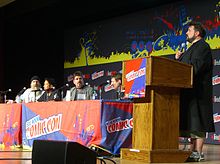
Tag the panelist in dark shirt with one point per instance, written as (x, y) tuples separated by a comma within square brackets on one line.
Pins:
[(50, 93), (116, 83)]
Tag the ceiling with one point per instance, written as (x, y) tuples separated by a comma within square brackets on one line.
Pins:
[(77, 10), (5, 2)]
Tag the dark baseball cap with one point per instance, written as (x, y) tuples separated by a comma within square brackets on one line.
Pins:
[(35, 78)]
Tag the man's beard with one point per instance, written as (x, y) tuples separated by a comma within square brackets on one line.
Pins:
[(190, 40), (79, 85), (35, 87)]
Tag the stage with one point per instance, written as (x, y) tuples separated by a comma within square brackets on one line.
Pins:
[(95, 123), (21, 156)]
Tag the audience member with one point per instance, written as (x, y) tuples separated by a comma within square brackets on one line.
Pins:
[(49, 94)]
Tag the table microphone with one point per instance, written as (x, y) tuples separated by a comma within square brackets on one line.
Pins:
[(105, 83), (4, 92), (21, 91), (64, 86)]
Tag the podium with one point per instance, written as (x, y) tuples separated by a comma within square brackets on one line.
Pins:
[(156, 116)]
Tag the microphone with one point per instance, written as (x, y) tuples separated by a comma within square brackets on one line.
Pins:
[(36, 90), (4, 92), (100, 88), (50, 89), (21, 91), (105, 83), (64, 86), (182, 47), (61, 90)]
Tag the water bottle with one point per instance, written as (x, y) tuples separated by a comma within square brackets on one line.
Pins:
[(94, 95), (18, 99)]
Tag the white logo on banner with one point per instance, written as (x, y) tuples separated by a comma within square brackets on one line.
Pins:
[(36, 127), (97, 75), (216, 117), (216, 62), (216, 99), (135, 74), (215, 80), (216, 137)]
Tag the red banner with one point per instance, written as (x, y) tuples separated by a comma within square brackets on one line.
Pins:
[(10, 125)]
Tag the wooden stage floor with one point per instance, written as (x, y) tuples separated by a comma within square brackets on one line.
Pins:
[(212, 156)]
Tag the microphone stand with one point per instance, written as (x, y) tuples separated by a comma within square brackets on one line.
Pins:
[(100, 90), (60, 90), (100, 93), (61, 93), (5, 94), (5, 98), (21, 91)]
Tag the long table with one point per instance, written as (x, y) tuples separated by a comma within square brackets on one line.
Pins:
[(107, 124)]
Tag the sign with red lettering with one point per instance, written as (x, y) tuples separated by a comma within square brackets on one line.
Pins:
[(135, 78)]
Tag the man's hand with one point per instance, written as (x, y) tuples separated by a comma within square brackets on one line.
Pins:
[(178, 54)]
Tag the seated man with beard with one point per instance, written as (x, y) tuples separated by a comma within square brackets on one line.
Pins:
[(33, 93), (80, 91)]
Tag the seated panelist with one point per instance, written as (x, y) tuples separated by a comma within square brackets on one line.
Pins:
[(116, 83), (80, 91), (33, 93), (49, 93)]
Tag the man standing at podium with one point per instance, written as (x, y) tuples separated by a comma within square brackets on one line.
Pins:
[(196, 112)]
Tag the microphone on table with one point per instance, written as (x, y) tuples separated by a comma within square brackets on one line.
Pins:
[(100, 88), (9, 90), (36, 90), (64, 86), (21, 91), (105, 83), (6, 91), (61, 90), (5, 94)]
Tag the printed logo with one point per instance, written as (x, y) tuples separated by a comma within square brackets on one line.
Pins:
[(216, 137), (216, 117), (135, 74), (110, 73), (215, 80), (97, 75), (108, 88), (216, 62), (36, 127), (117, 124), (216, 99)]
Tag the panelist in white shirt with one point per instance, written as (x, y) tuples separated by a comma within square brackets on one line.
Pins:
[(33, 93)]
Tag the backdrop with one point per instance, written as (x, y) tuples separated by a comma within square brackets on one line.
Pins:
[(97, 49)]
